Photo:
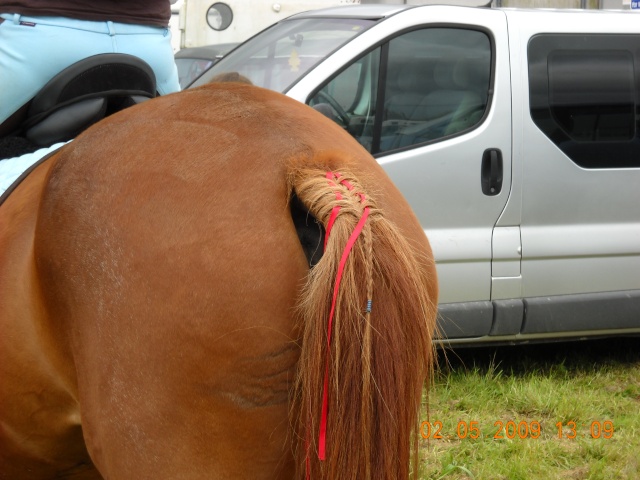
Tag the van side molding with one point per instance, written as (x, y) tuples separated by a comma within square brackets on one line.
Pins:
[(519, 317), (566, 313)]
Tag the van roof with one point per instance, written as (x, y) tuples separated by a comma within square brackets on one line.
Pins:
[(376, 11)]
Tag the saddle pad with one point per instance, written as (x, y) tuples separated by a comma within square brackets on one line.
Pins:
[(14, 170)]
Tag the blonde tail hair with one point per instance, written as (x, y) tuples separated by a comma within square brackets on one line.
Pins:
[(380, 350)]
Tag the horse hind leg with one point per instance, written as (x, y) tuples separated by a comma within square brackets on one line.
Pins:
[(183, 361), (40, 431)]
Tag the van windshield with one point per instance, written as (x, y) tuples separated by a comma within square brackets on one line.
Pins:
[(277, 57)]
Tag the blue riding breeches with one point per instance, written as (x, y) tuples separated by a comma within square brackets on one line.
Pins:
[(34, 49)]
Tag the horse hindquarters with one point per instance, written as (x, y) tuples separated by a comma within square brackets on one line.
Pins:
[(175, 264), (377, 361)]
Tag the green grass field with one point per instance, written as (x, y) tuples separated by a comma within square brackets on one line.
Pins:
[(560, 411)]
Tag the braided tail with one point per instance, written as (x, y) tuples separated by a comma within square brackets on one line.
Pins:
[(366, 339)]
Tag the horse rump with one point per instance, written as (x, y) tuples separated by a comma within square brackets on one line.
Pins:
[(154, 332)]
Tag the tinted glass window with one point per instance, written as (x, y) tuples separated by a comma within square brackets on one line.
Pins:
[(584, 95), (434, 83), (350, 98), (280, 55)]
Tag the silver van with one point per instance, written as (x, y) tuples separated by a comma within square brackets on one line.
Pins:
[(514, 135)]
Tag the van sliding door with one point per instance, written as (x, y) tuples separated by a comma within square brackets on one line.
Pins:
[(581, 178)]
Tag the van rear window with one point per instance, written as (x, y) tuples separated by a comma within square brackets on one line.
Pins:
[(584, 94)]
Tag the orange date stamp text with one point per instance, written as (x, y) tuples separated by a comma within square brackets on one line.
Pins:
[(523, 429)]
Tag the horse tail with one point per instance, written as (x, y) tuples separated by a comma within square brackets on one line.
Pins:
[(366, 352)]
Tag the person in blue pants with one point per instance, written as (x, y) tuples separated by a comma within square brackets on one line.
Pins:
[(40, 38)]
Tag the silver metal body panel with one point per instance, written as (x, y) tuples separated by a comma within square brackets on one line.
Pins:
[(556, 234)]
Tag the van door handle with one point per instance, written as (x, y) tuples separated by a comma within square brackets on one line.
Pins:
[(491, 172)]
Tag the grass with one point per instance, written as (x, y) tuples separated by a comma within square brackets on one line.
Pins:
[(535, 387)]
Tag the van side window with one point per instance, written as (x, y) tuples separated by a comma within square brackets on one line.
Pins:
[(420, 87), (437, 85), (349, 98), (584, 94)]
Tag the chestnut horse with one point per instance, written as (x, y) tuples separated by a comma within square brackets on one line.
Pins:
[(219, 283)]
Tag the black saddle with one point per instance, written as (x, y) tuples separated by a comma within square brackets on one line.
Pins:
[(76, 98)]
